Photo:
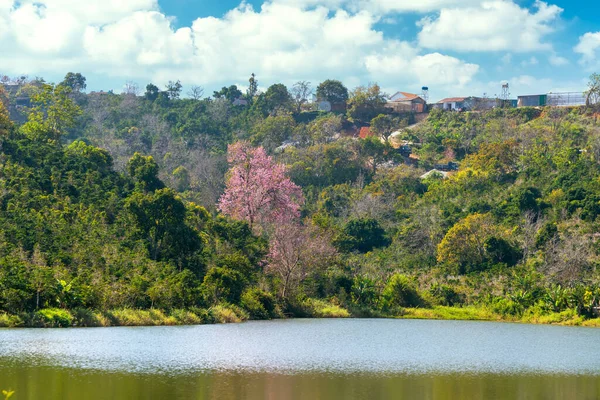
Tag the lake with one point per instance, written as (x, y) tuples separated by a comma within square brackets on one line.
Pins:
[(304, 359)]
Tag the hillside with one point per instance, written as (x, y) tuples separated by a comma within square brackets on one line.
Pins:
[(113, 203)]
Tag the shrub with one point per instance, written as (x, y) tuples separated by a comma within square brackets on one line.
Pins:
[(184, 317), (400, 291), (323, 309), (260, 304), (52, 318), (445, 295), (85, 317), (225, 314), (10, 321)]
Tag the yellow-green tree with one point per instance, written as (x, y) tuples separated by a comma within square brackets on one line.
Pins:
[(53, 112), (474, 243), (5, 123)]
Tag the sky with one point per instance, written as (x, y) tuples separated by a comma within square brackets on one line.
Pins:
[(454, 47)]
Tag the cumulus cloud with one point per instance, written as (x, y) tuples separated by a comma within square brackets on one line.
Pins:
[(493, 26), (383, 6), (279, 42), (589, 48), (557, 60), (431, 69)]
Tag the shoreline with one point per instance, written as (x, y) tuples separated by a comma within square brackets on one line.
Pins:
[(83, 318)]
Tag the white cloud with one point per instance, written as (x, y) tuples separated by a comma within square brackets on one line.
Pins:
[(431, 69), (530, 62), (493, 26), (589, 48), (279, 42), (383, 6), (557, 60)]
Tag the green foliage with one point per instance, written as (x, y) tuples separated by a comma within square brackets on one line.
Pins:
[(53, 113), (101, 223), (362, 235), (401, 291), (53, 318), (333, 91), (145, 171), (221, 283), (75, 82), (259, 304)]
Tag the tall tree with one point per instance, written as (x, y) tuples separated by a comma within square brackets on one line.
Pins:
[(230, 93), (174, 89), (301, 91), (53, 112), (332, 91), (366, 102), (278, 98), (196, 92), (5, 122), (252, 87), (75, 82), (258, 190), (593, 93), (384, 125), (294, 252), (152, 92)]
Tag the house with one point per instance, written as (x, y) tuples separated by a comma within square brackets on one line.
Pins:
[(452, 103), (402, 102), (466, 103), (536, 100)]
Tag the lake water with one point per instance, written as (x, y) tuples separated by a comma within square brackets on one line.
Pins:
[(304, 359)]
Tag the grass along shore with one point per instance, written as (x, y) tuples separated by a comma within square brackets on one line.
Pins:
[(60, 318)]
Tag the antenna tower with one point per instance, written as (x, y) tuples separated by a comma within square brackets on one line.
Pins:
[(425, 94), (505, 92)]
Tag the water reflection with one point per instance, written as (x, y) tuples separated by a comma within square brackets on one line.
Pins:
[(305, 359)]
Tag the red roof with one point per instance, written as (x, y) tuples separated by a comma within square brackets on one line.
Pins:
[(406, 96), (365, 132)]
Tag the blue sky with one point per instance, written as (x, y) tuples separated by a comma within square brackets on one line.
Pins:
[(456, 47)]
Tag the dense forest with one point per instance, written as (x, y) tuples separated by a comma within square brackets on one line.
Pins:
[(152, 208)]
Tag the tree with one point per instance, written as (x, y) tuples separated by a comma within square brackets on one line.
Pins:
[(384, 125), (325, 128), (301, 91), (277, 98), (294, 252), (231, 93), (332, 91), (152, 92), (375, 152), (362, 235), (474, 243), (174, 90), (160, 219), (273, 131), (52, 114), (366, 103), (5, 122), (145, 171), (258, 190), (592, 95), (196, 92), (131, 88), (75, 82), (252, 87)]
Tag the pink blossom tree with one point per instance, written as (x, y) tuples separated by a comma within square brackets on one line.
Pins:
[(258, 190), (295, 252)]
